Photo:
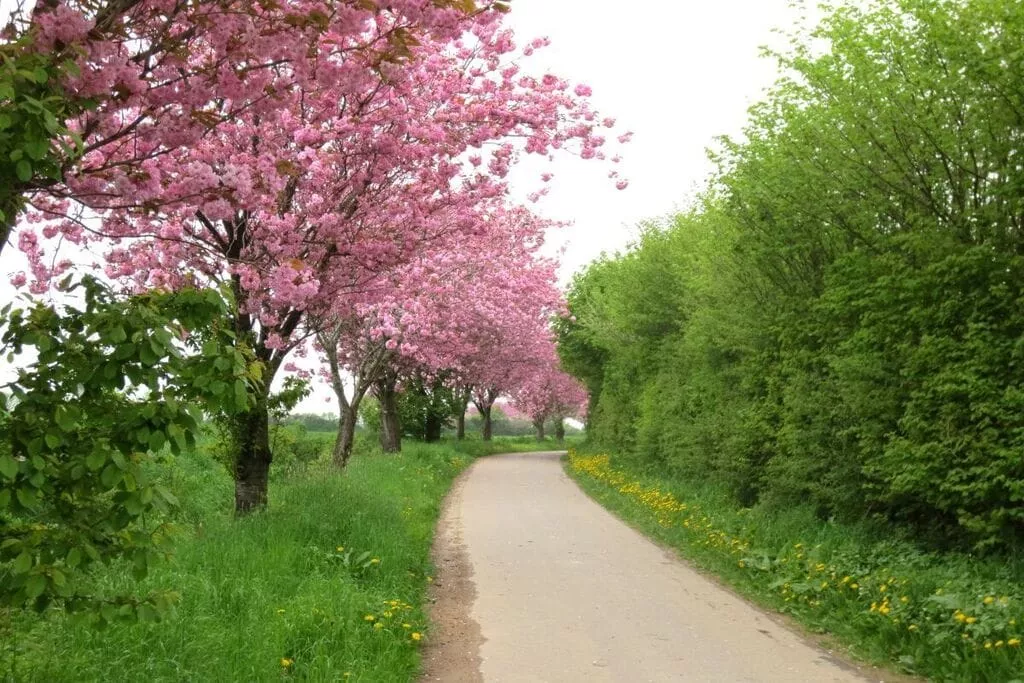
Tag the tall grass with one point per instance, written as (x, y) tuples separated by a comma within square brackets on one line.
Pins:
[(327, 585)]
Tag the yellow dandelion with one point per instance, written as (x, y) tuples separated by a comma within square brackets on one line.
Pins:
[(988, 644), (340, 548), (971, 620), (1013, 642), (988, 600), (378, 625), (999, 643), (416, 635), (854, 586), (375, 560), (285, 662), (370, 617), (884, 609)]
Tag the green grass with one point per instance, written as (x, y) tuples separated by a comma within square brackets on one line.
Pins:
[(274, 586), (948, 616)]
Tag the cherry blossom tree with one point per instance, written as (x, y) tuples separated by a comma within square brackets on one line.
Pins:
[(141, 78), (551, 394), (300, 198), (448, 312)]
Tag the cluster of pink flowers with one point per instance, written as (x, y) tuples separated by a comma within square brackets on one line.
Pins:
[(334, 160)]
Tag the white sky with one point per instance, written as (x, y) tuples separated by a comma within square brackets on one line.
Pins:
[(675, 72)]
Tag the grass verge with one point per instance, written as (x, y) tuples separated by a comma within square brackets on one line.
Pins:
[(949, 617), (327, 585)]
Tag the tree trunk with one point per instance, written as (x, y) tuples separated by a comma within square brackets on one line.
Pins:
[(486, 415), (560, 429), (253, 456), (348, 414), (538, 424), (462, 396), (390, 429), (484, 402)]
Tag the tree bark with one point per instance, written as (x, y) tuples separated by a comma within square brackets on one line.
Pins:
[(538, 424), (390, 429), (252, 459), (347, 417), (560, 429), (462, 396), (488, 427), (364, 374), (484, 402)]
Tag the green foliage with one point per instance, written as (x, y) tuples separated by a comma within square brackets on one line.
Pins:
[(293, 583), (35, 143), (948, 616), (838, 322), (295, 449), (114, 382)]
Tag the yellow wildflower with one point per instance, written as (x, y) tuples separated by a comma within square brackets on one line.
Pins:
[(1013, 642), (971, 620), (904, 599), (912, 627), (285, 662), (375, 560), (406, 626), (340, 548), (999, 643), (378, 625), (370, 617), (854, 586), (416, 635), (988, 644), (988, 600)]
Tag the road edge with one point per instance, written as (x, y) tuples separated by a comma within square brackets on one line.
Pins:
[(452, 652)]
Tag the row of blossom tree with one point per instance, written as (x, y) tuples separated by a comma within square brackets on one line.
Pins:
[(338, 166)]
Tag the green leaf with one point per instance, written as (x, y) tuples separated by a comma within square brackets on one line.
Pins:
[(94, 461), (64, 418), (27, 499), (52, 440), (157, 440), (74, 557), (22, 563), (35, 586), (23, 169), (8, 466), (110, 476)]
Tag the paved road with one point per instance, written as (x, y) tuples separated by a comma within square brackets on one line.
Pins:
[(536, 582)]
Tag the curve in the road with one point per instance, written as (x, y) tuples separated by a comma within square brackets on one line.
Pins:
[(537, 582)]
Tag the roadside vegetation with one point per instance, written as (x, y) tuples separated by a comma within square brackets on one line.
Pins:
[(327, 584), (947, 616), (823, 354)]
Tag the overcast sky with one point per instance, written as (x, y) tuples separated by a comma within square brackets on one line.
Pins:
[(676, 72)]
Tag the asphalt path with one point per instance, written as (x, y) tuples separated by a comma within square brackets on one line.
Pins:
[(537, 582)]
